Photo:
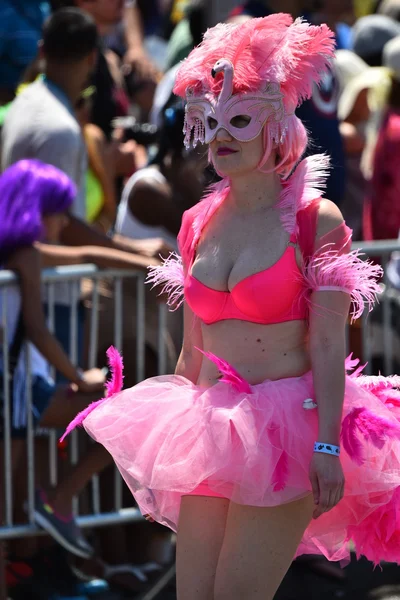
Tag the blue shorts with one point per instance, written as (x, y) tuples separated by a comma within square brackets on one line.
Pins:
[(42, 393), (62, 326)]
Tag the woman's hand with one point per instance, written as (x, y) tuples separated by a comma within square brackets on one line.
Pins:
[(149, 518), (327, 481), (92, 382)]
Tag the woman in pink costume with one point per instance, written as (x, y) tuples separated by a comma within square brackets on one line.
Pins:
[(239, 450)]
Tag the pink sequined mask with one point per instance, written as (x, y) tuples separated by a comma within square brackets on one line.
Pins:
[(242, 115)]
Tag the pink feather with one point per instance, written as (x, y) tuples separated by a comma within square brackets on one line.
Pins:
[(378, 384), (350, 441), (357, 373), (378, 535), (348, 272), (373, 428), (273, 48), (302, 188), (80, 417), (377, 429), (351, 364), (231, 376), (281, 472), (114, 386), (171, 276), (386, 389), (391, 399)]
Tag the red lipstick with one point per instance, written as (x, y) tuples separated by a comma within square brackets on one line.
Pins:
[(224, 151)]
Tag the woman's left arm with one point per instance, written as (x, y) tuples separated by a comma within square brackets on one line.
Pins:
[(328, 315)]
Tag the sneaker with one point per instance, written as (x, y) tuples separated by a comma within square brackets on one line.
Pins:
[(63, 530)]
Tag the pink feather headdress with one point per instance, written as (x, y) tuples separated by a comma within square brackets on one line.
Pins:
[(291, 56)]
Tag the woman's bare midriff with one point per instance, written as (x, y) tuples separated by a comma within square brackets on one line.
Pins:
[(257, 352)]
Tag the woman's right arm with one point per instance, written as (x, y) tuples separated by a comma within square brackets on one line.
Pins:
[(104, 258), (190, 359), (26, 262)]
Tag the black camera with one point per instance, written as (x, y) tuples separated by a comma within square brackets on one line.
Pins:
[(144, 134)]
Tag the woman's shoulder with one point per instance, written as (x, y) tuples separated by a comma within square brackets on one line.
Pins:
[(147, 176), (303, 190), (329, 217), (142, 186)]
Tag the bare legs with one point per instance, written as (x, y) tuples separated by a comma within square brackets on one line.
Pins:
[(77, 477), (259, 546), (227, 551), (61, 411), (200, 537)]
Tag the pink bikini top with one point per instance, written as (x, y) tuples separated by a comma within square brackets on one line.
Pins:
[(273, 295), (284, 292)]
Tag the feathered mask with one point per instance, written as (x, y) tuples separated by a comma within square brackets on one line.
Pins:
[(242, 76)]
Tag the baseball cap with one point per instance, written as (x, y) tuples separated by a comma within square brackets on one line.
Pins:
[(371, 33)]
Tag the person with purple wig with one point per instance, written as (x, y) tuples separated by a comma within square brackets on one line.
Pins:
[(34, 202), (50, 192)]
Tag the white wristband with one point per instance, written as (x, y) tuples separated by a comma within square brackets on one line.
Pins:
[(327, 449)]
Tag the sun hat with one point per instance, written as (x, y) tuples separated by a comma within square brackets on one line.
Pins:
[(370, 79), (348, 65)]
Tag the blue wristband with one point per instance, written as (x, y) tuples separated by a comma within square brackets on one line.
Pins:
[(327, 449)]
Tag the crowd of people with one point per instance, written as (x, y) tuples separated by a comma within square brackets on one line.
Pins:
[(94, 169)]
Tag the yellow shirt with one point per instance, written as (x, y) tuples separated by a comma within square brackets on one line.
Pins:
[(363, 7), (94, 196)]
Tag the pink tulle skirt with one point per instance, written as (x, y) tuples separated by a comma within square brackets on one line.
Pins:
[(253, 445)]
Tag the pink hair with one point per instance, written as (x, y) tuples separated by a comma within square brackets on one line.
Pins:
[(290, 150)]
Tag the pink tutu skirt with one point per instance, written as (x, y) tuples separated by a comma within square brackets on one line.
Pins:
[(253, 445)]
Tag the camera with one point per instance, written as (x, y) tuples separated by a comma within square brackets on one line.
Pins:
[(144, 134)]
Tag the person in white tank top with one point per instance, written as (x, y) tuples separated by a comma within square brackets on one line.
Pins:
[(155, 197), (127, 223)]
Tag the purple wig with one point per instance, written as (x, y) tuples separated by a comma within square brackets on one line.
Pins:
[(29, 190)]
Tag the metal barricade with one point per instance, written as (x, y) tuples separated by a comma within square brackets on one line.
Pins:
[(71, 277), (372, 323)]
